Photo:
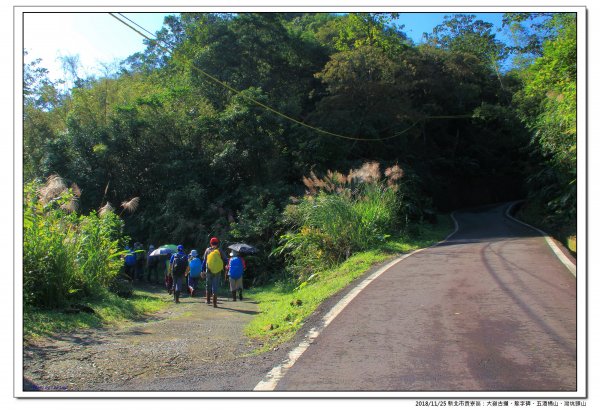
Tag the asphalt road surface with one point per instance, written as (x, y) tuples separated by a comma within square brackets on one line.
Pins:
[(491, 309)]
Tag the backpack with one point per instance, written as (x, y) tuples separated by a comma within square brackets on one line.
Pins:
[(180, 263), (236, 268), (214, 262), (130, 259), (195, 267)]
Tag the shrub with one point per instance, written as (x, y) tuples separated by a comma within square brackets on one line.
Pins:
[(66, 256), (340, 215)]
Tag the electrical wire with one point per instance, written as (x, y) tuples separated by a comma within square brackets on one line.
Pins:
[(134, 23), (266, 107)]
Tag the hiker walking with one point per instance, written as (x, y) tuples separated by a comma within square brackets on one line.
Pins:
[(235, 270), (195, 267), (178, 270), (129, 264), (151, 265), (214, 267), (138, 249), (165, 266)]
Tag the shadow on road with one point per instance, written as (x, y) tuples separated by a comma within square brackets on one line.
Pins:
[(246, 312), (525, 305)]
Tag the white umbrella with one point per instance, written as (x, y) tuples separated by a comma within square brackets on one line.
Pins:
[(161, 251)]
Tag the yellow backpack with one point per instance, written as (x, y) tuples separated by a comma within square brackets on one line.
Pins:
[(214, 262)]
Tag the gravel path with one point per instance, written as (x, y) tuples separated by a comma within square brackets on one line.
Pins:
[(187, 347)]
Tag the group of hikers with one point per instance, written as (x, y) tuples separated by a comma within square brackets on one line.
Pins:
[(183, 270)]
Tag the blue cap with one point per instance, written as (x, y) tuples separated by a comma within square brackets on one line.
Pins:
[(179, 247)]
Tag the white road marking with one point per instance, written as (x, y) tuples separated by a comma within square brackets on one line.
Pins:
[(557, 251)]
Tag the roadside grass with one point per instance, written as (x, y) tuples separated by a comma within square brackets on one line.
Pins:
[(285, 307), (109, 309), (535, 214)]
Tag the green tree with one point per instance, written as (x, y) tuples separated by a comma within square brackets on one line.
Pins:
[(529, 31), (367, 99), (548, 105), (44, 112), (377, 30), (463, 33)]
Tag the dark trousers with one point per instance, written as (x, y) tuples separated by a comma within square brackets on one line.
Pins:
[(178, 283), (152, 273), (139, 270), (130, 272)]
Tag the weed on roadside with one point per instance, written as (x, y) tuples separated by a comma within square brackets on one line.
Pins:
[(107, 309)]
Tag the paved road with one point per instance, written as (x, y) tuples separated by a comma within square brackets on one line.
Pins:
[(492, 309)]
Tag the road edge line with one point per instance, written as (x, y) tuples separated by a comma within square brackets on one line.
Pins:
[(270, 381), (557, 251)]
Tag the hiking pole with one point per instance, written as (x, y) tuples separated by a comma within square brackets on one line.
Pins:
[(226, 280)]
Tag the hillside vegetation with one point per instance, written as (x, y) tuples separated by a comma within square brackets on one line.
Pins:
[(312, 136)]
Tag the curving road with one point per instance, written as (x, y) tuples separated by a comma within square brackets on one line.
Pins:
[(491, 309)]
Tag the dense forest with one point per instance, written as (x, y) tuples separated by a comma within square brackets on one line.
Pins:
[(230, 125)]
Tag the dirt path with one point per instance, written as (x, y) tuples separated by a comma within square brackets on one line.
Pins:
[(190, 346)]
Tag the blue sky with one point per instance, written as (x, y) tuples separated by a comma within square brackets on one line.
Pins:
[(418, 23), (98, 38)]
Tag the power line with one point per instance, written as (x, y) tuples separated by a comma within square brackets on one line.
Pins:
[(266, 107), (134, 23)]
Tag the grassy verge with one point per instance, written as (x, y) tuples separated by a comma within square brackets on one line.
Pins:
[(536, 215), (285, 307), (109, 309)]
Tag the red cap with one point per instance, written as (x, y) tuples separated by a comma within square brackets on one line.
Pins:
[(214, 241)]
